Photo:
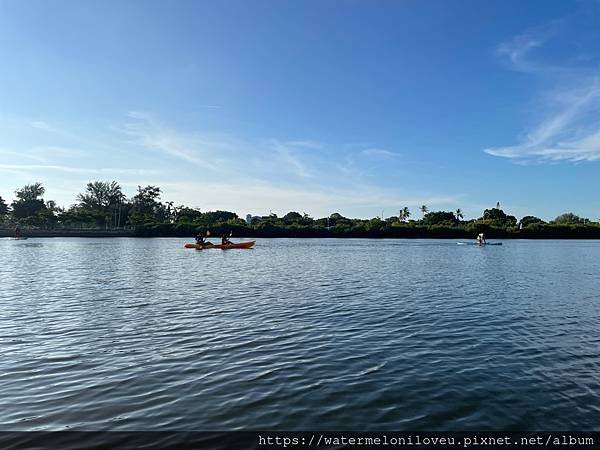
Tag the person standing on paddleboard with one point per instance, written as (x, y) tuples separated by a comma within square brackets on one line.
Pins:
[(481, 239)]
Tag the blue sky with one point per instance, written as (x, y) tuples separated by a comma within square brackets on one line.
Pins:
[(315, 106)]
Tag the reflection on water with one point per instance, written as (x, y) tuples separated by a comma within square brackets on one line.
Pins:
[(141, 334)]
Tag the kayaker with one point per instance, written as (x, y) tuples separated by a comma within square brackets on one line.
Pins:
[(481, 239), (200, 239), (225, 240)]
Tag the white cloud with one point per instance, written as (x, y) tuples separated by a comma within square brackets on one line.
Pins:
[(241, 175), (289, 158), (570, 129), (83, 170), (260, 197), (41, 125), (312, 145), (570, 133), (379, 152), (220, 153), (517, 50), (146, 131)]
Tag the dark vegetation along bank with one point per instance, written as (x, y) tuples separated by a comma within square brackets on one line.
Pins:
[(103, 210)]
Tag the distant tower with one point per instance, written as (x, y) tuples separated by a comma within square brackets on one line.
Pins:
[(249, 219)]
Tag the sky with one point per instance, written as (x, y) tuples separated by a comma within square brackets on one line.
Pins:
[(315, 106)]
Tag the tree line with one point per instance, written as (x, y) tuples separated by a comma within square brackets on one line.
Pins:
[(102, 205)]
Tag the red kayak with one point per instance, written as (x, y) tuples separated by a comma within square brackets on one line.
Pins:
[(248, 244)]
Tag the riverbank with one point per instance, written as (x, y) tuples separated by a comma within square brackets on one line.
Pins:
[(33, 233), (393, 232)]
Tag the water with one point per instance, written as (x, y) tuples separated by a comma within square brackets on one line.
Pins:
[(140, 334)]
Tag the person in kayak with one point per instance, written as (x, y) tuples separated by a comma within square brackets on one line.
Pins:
[(225, 240), (201, 239), (481, 239)]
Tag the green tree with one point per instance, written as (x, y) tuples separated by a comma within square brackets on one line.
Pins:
[(569, 219), (102, 203), (214, 217), (499, 217), (439, 218), (306, 219), (459, 214), (183, 214), (404, 214), (101, 195), (28, 202), (337, 218), (530, 220), (146, 206), (424, 209), (30, 192), (3, 208), (46, 218), (292, 217)]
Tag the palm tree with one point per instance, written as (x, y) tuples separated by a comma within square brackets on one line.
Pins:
[(497, 205), (405, 213), (459, 214), (424, 209)]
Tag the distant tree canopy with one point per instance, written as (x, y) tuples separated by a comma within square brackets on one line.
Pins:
[(568, 219), (404, 214), (184, 214), (102, 204), (3, 207), (292, 217), (530, 220), (440, 217), (219, 216), (498, 217), (146, 206), (28, 202), (30, 192), (101, 195)]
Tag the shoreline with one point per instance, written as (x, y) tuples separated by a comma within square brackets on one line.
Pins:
[(67, 233), (132, 234)]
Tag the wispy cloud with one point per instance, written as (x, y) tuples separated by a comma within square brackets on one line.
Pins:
[(260, 197), (570, 133), (145, 130), (379, 153), (516, 52), (82, 170), (305, 144), (570, 129), (238, 174), (45, 154), (44, 126), (289, 157), (217, 152)]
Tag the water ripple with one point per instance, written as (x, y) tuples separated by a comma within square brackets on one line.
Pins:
[(140, 334)]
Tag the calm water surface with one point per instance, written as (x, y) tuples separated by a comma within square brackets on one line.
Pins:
[(140, 334)]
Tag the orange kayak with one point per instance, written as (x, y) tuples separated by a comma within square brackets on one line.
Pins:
[(248, 244)]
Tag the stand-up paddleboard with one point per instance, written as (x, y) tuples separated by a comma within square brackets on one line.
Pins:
[(476, 243)]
